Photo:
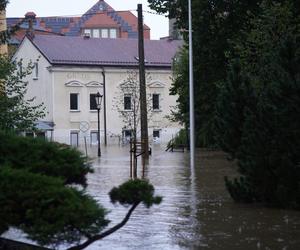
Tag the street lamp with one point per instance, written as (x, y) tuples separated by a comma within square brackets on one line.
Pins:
[(191, 88), (98, 98)]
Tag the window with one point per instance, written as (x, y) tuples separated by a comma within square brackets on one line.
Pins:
[(104, 33), (20, 69), (96, 33), (113, 33), (155, 101), (41, 135), (36, 70), (74, 138), (87, 32), (93, 103), (74, 101), (94, 137), (127, 133), (127, 102), (156, 133), (101, 7), (29, 134)]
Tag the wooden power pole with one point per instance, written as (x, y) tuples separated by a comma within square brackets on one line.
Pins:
[(143, 102)]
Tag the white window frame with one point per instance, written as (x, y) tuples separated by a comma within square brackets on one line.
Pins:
[(128, 95), (87, 32), (156, 109), (78, 103), (125, 131), (94, 132), (96, 33), (104, 33), (159, 133), (114, 32), (74, 132)]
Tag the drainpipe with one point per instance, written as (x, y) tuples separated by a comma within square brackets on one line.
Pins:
[(104, 100)]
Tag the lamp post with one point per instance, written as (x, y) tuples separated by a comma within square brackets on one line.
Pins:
[(191, 89), (98, 98)]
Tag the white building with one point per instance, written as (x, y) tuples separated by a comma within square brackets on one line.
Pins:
[(69, 71)]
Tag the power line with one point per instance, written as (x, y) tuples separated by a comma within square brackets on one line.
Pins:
[(154, 13)]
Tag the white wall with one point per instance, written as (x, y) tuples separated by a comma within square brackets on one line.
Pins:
[(67, 120), (39, 88), (55, 83)]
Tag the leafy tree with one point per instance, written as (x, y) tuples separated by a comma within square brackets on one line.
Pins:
[(234, 96), (48, 158), (16, 112), (132, 192), (261, 115), (45, 209), (38, 195), (6, 34), (215, 25), (3, 4)]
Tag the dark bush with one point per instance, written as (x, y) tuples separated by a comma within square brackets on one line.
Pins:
[(40, 156)]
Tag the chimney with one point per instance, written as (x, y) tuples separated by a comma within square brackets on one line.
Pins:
[(30, 17)]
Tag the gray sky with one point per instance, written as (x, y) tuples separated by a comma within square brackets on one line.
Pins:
[(17, 8)]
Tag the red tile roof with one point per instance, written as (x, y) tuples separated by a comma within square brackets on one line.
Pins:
[(99, 15), (131, 19), (100, 20)]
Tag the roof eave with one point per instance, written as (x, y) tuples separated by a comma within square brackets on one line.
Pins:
[(37, 47), (114, 65)]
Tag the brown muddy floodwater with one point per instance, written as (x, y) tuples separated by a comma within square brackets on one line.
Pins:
[(196, 212)]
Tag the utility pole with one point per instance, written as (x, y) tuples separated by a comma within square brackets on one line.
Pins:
[(144, 121)]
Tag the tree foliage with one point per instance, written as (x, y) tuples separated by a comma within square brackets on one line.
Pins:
[(259, 107), (38, 195), (246, 57), (6, 34), (16, 112), (3, 4), (47, 158), (234, 96), (134, 192), (45, 209), (215, 25)]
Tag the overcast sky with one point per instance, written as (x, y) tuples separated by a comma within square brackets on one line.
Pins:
[(17, 8)]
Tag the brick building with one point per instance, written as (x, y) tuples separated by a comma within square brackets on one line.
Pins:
[(100, 21)]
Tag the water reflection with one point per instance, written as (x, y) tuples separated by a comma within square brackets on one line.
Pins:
[(196, 213)]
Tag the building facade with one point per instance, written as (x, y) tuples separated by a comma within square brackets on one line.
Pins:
[(69, 71), (100, 21)]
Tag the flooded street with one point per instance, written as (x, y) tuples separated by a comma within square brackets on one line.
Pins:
[(196, 212)]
